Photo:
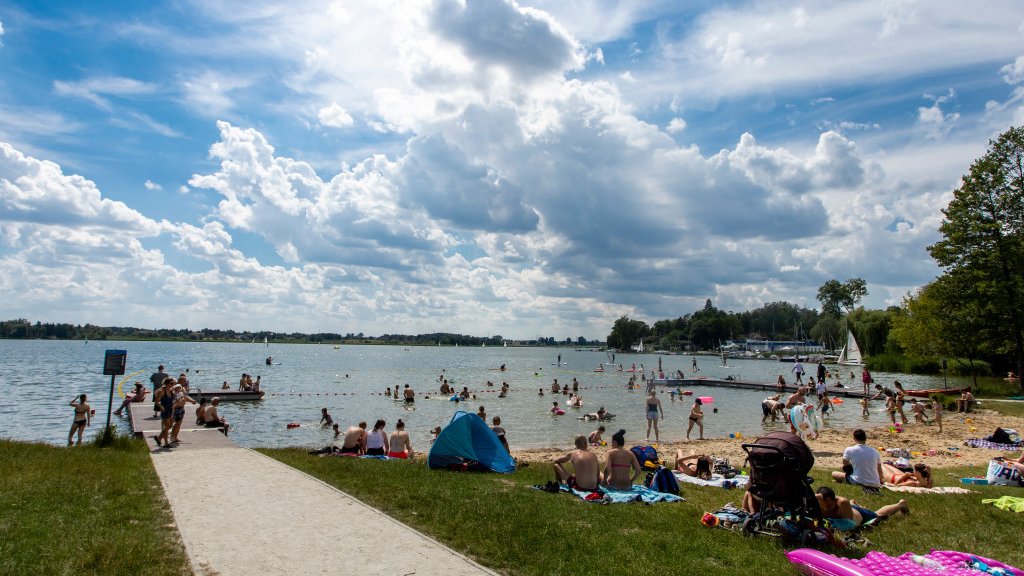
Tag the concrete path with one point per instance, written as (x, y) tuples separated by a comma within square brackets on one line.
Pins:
[(242, 513)]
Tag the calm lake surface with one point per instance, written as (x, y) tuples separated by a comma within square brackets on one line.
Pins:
[(38, 378)]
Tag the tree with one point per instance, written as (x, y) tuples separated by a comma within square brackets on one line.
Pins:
[(626, 333), (983, 238), (837, 297)]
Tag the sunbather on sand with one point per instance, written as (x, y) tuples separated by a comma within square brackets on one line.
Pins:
[(921, 476), (586, 473), (844, 514)]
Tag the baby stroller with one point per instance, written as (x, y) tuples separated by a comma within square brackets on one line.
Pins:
[(779, 465)]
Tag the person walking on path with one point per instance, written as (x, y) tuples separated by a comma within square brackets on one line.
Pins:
[(653, 410), (83, 418)]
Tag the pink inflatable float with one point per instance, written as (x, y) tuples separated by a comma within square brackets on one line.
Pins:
[(816, 563)]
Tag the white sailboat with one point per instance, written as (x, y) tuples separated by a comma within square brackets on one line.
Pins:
[(638, 347), (850, 356)]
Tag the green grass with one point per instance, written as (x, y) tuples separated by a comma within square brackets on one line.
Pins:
[(1007, 407), (85, 510), (500, 522)]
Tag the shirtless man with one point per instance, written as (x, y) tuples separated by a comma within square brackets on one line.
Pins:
[(355, 439), (212, 419), (770, 406), (409, 394), (586, 468), (846, 516), (555, 389)]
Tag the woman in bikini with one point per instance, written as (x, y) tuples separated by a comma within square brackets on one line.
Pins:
[(696, 417), (921, 476), (164, 398), (653, 406), (901, 395), (83, 418), (696, 465), (401, 447), (619, 464)]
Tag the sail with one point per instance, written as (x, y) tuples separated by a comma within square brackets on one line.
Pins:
[(850, 356)]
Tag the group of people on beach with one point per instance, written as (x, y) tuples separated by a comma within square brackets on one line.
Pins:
[(619, 472), (377, 442)]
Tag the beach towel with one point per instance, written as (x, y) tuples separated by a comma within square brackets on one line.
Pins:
[(716, 480), (605, 496), (1014, 503), (923, 490), (982, 443)]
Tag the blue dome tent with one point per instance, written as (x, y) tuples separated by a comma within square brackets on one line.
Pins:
[(467, 437)]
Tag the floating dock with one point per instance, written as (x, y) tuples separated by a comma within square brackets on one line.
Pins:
[(760, 386)]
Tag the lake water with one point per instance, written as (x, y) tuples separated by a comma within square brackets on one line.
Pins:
[(38, 378)]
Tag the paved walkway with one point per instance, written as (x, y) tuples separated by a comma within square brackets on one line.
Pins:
[(287, 522)]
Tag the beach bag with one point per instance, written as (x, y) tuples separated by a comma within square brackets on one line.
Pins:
[(662, 480), (645, 454), (1003, 475)]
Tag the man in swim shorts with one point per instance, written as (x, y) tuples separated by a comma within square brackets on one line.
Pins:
[(770, 406), (586, 474), (845, 515), (410, 395), (355, 439)]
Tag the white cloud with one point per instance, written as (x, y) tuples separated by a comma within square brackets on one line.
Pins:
[(1, 34), (933, 122), (675, 126), (211, 93), (335, 116), (97, 89), (150, 185), (1014, 73)]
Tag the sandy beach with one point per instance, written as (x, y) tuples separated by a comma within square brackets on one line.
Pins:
[(828, 448)]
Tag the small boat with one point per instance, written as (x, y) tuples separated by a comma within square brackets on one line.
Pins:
[(931, 391), (850, 356), (225, 395)]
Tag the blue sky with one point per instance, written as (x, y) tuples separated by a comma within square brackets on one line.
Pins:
[(524, 169)]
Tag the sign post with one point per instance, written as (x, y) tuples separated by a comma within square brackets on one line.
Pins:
[(113, 366)]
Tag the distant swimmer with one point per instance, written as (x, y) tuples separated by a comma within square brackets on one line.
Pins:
[(502, 368), (270, 360)]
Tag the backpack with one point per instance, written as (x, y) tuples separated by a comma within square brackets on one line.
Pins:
[(662, 480), (645, 454)]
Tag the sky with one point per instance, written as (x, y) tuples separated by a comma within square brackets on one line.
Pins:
[(484, 167)]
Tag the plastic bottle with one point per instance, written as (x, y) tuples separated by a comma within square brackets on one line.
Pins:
[(927, 562)]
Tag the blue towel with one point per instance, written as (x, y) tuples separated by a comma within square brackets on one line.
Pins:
[(637, 494)]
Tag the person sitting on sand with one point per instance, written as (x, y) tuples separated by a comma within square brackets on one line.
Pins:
[(595, 436), (920, 476), (211, 419), (621, 468), (138, 395), (325, 418), (401, 446), (695, 465), (862, 464), (377, 440), (355, 439), (586, 473), (845, 515)]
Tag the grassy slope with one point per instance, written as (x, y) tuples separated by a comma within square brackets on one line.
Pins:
[(84, 511), (500, 522)]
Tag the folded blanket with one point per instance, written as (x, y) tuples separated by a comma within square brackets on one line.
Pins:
[(923, 490), (716, 480), (982, 443)]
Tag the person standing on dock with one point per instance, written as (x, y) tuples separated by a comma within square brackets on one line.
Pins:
[(821, 372), (798, 369)]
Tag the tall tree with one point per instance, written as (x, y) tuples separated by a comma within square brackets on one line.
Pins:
[(837, 297), (983, 235)]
